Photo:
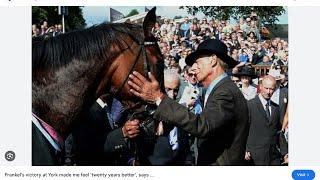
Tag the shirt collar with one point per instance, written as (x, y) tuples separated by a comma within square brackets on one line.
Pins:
[(213, 84), (263, 100)]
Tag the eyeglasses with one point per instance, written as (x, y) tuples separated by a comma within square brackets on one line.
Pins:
[(235, 81), (191, 75)]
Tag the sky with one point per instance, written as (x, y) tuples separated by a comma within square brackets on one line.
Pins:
[(98, 14)]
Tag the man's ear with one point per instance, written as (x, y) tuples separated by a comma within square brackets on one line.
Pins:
[(213, 60)]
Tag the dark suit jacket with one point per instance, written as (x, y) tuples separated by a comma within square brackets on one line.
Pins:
[(89, 136), (222, 127), (43, 154), (263, 138)]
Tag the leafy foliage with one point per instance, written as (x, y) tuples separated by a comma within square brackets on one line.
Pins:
[(132, 13), (267, 14), (74, 19), (177, 17)]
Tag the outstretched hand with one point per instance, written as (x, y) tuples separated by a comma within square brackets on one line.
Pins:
[(148, 91)]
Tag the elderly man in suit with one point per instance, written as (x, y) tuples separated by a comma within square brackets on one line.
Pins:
[(264, 119), (222, 127), (171, 145)]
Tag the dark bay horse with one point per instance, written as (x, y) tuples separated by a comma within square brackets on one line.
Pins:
[(70, 71)]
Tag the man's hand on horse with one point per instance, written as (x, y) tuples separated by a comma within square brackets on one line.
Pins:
[(131, 129), (148, 91)]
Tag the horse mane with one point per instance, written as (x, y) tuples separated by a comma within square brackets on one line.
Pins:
[(97, 42), (66, 68)]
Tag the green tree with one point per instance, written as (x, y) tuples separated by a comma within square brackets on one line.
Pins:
[(74, 20), (267, 14), (132, 13)]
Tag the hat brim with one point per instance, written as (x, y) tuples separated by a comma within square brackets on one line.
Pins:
[(191, 58), (253, 76)]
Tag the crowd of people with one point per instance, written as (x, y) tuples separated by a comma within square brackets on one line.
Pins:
[(45, 30), (247, 42)]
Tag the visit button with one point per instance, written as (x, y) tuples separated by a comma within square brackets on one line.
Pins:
[(303, 174)]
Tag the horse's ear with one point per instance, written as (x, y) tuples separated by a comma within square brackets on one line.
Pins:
[(149, 22)]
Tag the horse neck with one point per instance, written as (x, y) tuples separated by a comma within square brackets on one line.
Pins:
[(59, 97)]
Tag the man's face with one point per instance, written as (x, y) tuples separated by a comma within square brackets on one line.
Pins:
[(265, 59), (267, 88), (172, 88), (202, 68), (192, 77), (235, 79)]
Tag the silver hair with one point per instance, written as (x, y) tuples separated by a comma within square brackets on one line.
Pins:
[(171, 75)]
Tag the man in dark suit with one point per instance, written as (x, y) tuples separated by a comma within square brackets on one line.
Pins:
[(264, 117), (222, 127), (101, 138)]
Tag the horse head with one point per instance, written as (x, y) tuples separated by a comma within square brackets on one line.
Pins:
[(70, 71), (142, 54)]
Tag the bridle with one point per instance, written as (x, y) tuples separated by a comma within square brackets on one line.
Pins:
[(148, 109), (146, 63), (145, 115)]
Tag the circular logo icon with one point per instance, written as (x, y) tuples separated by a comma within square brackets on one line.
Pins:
[(10, 155)]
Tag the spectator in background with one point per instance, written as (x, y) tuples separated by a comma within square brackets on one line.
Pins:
[(166, 26), (252, 36), (246, 26), (45, 24), (43, 30), (264, 120), (204, 24), (185, 26), (58, 30), (236, 80), (246, 74), (265, 61), (35, 31), (156, 30), (189, 93)]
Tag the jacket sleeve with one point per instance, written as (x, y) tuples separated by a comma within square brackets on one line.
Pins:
[(218, 112), (115, 141)]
